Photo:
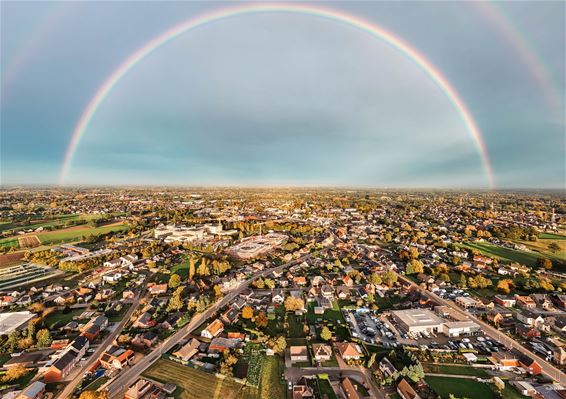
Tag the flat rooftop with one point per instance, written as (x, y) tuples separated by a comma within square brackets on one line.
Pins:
[(417, 317), (12, 321)]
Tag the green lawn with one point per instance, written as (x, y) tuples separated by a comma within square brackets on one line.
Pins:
[(296, 326), (454, 369), (511, 393), (459, 387), (182, 269), (56, 237), (551, 236), (191, 383), (59, 319)]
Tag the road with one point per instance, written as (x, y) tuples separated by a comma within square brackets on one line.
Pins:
[(497, 335), (72, 385), (117, 387)]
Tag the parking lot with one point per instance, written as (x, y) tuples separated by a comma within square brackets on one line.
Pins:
[(368, 327)]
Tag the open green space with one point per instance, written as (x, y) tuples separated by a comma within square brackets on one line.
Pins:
[(296, 326), (59, 318), (551, 236), (459, 387), (508, 254), (57, 237), (191, 383), (454, 369)]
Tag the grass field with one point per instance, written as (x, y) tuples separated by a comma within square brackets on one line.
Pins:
[(551, 236), (508, 254), (459, 387), (58, 318), (73, 234), (65, 235), (191, 383), (542, 247), (456, 370), (296, 326)]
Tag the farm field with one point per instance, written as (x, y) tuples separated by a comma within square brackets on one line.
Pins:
[(271, 386), (191, 383)]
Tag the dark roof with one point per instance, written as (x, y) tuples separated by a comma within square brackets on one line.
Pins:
[(79, 343), (64, 361)]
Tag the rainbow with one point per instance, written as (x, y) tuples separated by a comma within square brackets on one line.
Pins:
[(433, 73), (524, 49)]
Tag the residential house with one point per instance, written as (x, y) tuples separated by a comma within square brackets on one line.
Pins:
[(349, 389), (529, 318), (406, 391), (505, 301), (187, 351), (145, 320), (526, 332), (343, 292), (157, 289), (349, 350), (213, 329), (530, 365), (322, 352), (298, 354), (80, 345), (278, 297), (61, 368), (525, 302), (35, 390)]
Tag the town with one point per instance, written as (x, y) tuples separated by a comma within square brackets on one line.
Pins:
[(282, 293)]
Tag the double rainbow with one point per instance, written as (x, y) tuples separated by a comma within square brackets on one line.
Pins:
[(433, 73)]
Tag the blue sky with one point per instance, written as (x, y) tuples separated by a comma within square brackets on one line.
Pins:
[(280, 99)]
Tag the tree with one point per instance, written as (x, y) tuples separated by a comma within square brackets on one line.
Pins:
[(258, 283), (414, 267), (504, 286), (553, 247), (43, 338), (545, 263), (325, 334), (227, 364), (261, 320), (175, 303), (174, 281), (14, 373), (94, 395), (375, 279), (280, 344), (217, 291), (292, 304), (269, 283), (203, 269), (462, 283), (192, 263), (247, 312), (389, 278)]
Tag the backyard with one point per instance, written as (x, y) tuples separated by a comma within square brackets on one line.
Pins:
[(191, 383)]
